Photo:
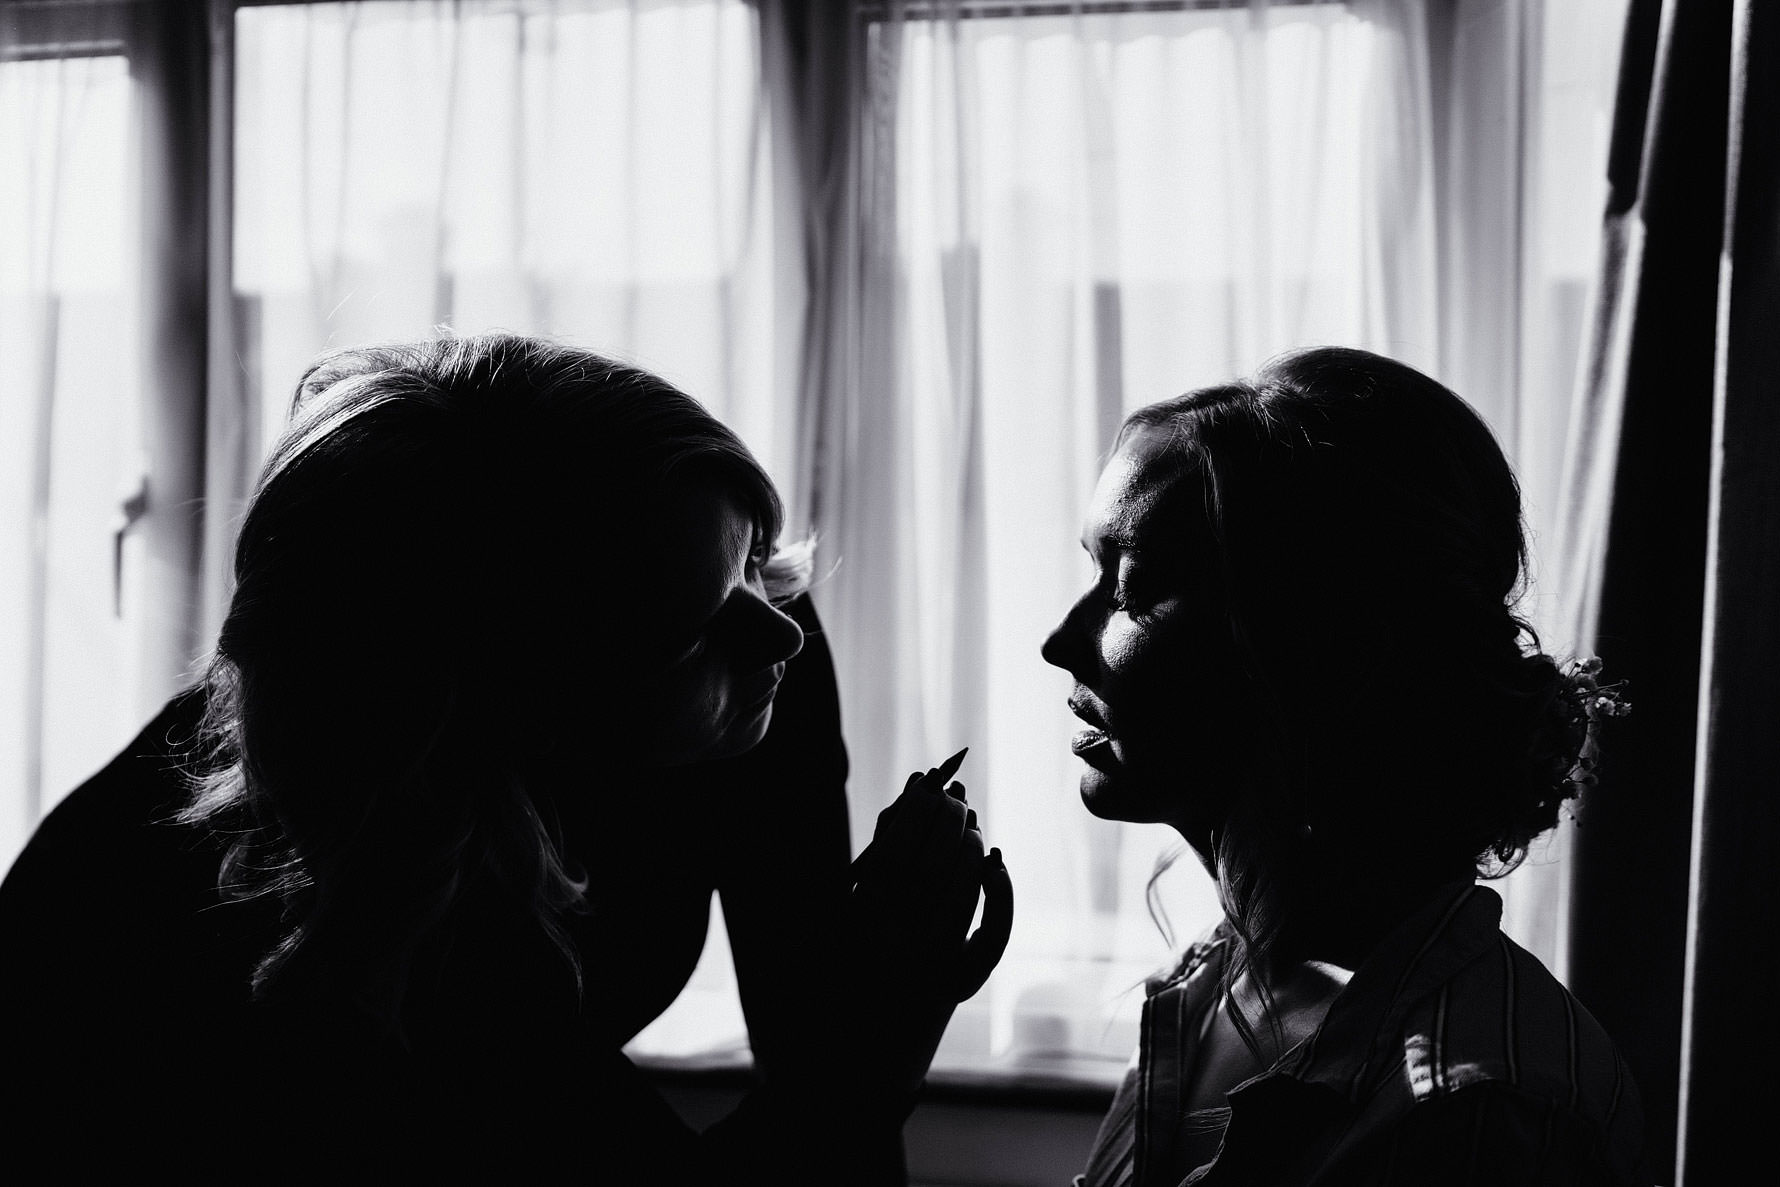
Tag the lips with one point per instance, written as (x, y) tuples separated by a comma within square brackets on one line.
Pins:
[(1086, 742), (1079, 706), (1093, 741)]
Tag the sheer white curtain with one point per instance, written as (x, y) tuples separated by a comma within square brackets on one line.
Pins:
[(591, 169), (69, 404), (1026, 223), (1068, 211), (1527, 101)]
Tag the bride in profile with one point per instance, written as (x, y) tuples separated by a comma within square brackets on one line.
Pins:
[(1300, 651)]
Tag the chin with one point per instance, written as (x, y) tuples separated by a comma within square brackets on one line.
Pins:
[(1113, 797), (1101, 797), (742, 736)]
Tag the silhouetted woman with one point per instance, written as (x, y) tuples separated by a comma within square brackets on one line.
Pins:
[(1301, 652), (472, 755)]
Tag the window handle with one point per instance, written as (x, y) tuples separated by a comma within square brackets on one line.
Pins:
[(131, 508)]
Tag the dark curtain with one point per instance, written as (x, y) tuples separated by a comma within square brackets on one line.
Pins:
[(1734, 962), (1673, 914)]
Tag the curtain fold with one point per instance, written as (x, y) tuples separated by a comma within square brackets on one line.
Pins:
[(1733, 951), (231, 432), (1524, 92), (1673, 506)]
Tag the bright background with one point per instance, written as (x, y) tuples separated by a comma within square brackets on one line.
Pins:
[(1040, 218)]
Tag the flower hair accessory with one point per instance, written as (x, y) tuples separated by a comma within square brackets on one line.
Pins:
[(1589, 702)]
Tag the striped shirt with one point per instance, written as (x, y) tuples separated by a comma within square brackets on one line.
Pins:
[(1451, 1057)]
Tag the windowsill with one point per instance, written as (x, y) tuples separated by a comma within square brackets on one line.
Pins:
[(974, 1127), (1059, 1082)]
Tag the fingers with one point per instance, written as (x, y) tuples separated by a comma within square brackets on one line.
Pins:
[(894, 807), (923, 783), (870, 857), (919, 787), (944, 772), (916, 885), (917, 834), (984, 949), (957, 896)]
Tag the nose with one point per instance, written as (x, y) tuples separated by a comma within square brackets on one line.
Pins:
[(1059, 645), (779, 635)]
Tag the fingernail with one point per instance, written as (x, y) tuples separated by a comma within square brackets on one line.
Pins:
[(970, 818), (951, 765), (995, 861)]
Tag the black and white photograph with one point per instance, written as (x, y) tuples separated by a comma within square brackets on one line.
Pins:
[(889, 593)]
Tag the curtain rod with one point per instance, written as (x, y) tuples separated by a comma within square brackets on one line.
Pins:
[(927, 10), (72, 4)]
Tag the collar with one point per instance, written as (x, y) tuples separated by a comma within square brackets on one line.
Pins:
[(1277, 1116), (1361, 1032), (1361, 1036)]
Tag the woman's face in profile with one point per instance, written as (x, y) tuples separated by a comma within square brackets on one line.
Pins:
[(1151, 655), (727, 644)]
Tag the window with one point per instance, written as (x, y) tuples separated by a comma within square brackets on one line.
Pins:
[(1050, 213), (68, 422)]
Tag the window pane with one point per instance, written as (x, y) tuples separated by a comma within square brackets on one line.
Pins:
[(590, 170), (67, 424)]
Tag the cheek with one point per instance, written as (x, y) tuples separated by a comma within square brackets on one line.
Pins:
[(683, 708), (1146, 664), (1125, 648)]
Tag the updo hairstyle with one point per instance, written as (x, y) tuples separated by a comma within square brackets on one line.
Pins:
[(1367, 554)]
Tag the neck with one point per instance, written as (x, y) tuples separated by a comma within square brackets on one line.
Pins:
[(1341, 920)]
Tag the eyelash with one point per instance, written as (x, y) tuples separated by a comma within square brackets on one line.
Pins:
[(1116, 594)]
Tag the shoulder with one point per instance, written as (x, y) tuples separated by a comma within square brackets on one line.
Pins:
[(1504, 1047), (112, 866), (1503, 1018), (117, 830), (1491, 1131)]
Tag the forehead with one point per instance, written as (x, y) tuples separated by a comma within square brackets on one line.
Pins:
[(1138, 502)]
